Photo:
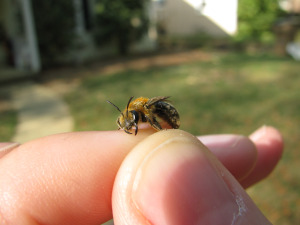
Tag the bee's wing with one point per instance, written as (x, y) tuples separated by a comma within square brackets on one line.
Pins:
[(151, 101)]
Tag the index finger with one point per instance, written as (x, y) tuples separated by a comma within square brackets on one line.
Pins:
[(63, 179)]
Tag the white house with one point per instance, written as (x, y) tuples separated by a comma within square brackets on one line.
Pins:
[(187, 17)]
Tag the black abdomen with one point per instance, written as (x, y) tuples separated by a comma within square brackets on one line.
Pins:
[(168, 113)]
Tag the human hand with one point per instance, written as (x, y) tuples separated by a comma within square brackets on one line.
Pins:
[(168, 178)]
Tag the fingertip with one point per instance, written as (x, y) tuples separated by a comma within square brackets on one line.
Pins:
[(171, 178), (149, 160), (270, 144), (270, 137)]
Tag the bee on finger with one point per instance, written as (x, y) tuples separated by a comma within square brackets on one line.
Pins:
[(147, 110)]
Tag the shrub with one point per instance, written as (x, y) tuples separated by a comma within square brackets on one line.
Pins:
[(54, 22), (120, 22), (255, 20)]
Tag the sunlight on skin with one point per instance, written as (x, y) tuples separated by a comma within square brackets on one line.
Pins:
[(78, 174)]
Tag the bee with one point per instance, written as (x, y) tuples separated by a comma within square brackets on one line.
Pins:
[(147, 110)]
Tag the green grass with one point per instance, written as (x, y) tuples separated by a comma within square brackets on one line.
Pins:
[(233, 93), (8, 118), (8, 123)]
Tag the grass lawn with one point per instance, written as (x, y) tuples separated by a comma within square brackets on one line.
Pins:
[(232, 93), (8, 116)]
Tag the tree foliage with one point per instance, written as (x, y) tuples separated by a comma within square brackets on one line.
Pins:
[(54, 22), (120, 21), (256, 18)]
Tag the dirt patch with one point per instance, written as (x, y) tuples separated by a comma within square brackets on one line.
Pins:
[(64, 79), (137, 62), (155, 61)]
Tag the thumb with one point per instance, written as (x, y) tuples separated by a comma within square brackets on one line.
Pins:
[(172, 178)]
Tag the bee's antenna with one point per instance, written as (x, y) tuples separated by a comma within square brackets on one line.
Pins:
[(115, 106), (128, 105)]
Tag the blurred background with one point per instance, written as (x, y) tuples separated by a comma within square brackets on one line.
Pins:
[(230, 67)]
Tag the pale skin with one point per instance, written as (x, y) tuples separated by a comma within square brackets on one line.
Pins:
[(162, 178)]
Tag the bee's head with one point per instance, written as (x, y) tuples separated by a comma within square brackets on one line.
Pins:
[(127, 119)]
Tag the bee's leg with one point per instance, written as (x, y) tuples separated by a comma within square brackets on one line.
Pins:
[(156, 124), (136, 129), (153, 122), (127, 132)]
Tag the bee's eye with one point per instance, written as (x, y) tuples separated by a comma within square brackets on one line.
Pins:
[(135, 116)]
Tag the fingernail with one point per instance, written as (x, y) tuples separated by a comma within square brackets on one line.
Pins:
[(222, 141), (7, 147), (180, 182), (259, 133)]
